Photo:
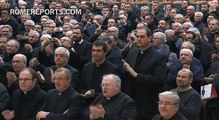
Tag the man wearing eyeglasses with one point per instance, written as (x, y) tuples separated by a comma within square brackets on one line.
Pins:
[(168, 106), (26, 101), (63, 102), (112, 104)]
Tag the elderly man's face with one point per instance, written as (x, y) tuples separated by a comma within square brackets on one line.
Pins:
[(167, 107), (109, 87), (185, 57), (18, 63), (61, 81)]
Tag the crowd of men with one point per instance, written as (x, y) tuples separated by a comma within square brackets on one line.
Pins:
[(110, 62)]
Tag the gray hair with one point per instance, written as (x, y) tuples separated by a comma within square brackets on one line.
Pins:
[(188, 23), (200, 13), (162, 36), (16, 43), (66, 71), (31, 22), (46, 36), (7, 26), (195, 31), (114, 77), (187, 51), (63, 49), (170, 95), (191, 46), (22, 56), (35, 33)]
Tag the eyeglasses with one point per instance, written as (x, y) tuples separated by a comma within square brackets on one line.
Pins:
[(24, 79), (165, 103)]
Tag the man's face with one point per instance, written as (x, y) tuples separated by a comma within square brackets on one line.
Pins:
[(24, 18), (3, 43), (155, 6), (69, 34), (148, 19), (11, 47), (185, 57), (128, 7), (213, 26), (162, 25), (105, 11), (5, 15), (156, 40), (198, 17), (190, 10), (98, 54), (26, 81), (18, 63), (172, 13), (142, 39), (109, 87), (43, 22), (61, 59), (61, 81), (77, 35), (32, 37), (183, 80), (184, 4), (6, 32), (167, 107), (189, 37), (111, 23), (28, 26), (204, 8)]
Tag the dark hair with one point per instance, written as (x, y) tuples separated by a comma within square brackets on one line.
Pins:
[(32, 72), (80, 28), (101, 43)]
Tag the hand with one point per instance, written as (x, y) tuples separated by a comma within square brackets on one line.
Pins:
[(89, 94), (41, 77), (34, 62), (28, 48), (209, 79), (96, 111), (186, 66), (41, 115), (11, 78), (8, 115), (128, 68)]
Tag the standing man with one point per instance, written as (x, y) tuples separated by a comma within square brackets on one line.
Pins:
[(93, 72), (63, 102), (112, 104), (145, 70)]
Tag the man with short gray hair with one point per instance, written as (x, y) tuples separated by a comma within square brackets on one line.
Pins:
[(123, 106), (168, 106)]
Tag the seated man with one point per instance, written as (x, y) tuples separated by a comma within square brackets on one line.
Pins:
[(26, 101), (62, 103), (112, 104), (190, 100), (168, 106)]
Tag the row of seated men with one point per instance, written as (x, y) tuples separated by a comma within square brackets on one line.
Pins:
[(63, 102)]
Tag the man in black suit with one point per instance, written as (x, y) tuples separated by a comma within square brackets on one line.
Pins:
[(61, 60), (92, 72), (145, 71), (63, 102)]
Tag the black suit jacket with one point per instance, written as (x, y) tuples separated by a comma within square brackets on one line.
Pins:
[(145, 87), (47, 74)]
